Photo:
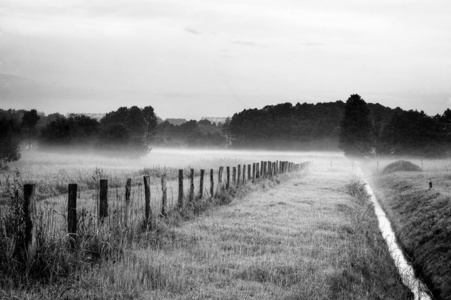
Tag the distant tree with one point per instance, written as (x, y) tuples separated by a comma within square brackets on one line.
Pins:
[(414, 133), (151, 120), (9, 142), (74, 130), (226, 130), (356, 138), (29, 121), (126, 130)]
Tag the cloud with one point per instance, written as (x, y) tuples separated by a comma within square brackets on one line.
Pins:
[(193, 31), (247, 43)]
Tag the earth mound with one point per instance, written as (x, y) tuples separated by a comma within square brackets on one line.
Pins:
[(401, 166)]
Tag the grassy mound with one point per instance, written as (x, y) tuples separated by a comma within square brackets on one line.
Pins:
[(401, 165), (421, 219)]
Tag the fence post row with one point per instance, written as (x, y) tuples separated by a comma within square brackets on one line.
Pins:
[(180, 198)]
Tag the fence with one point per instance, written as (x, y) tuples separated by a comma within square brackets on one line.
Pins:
[(261, 170)]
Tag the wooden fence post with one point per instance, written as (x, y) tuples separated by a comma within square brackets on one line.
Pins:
[(244, 174), (103, 204), (253, 172), (201, 187), (239, 176), (191, 187), (257, 168), (72, 215), (249, 172), (128, 189), (29, 210), (147, 211), (269, 169), (221, 169), (164, 205), (228, 178), (261, 170), (212, 184), (180, 198)]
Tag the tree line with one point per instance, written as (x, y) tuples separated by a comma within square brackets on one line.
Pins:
[(356, 127)]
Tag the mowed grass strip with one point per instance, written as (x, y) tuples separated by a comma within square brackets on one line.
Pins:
[(421, 218), (304, 238)]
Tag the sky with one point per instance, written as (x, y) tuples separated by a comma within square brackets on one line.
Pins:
[(196, 58)]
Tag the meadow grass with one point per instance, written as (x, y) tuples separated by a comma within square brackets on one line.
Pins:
[(301, 236)]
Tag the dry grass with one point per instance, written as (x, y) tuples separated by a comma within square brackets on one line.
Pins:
[(302, 238)]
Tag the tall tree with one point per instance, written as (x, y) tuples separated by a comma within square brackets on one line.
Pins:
[(29, 121), (151, 120), (356, 138)]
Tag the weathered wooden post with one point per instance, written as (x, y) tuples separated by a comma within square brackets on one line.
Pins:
[(29, 210), (103, 204), (164, 189), (191, 188), (257, 168), (244, 174), (220, 178), (212, 184), (269, 169), (201, 186), (253, 172), (128, 189), (249, 172), (430, 184), (262, 174), (72, 215), (234, 176), (147, 209), (228, 178), (239, 176), (180, 198)]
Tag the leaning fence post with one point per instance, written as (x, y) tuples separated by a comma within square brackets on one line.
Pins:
[(148, 211), (180, 199), (29, 210), (228, 178), (164, 208), (128, 188), (212, 184), (191, 187), (201, 186), (103, 204), (72, 215)]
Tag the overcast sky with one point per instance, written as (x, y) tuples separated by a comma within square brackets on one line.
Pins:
[(194, 58)]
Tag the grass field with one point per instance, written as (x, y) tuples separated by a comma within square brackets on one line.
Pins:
[(421, 218), (300, 236)]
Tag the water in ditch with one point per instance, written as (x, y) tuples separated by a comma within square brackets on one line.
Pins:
[(404, 268)]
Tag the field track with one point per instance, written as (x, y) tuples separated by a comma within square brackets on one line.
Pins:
[(295, 240)]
